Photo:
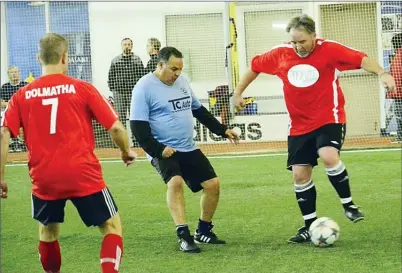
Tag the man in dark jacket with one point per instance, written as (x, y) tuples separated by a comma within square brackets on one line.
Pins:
[(125, 70), (153, 47)]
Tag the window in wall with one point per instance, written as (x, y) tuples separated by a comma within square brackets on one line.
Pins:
[(200, 38), (265, 29)]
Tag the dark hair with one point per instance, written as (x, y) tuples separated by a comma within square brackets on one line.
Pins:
[(397, 41), (155, 43), (52, 47), (304, 21), (127, 39), (167, 52)]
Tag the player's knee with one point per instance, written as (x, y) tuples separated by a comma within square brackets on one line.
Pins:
[(329, 156), (49, 233), (212, 185), (301, 176), (175, 183), (112, 226)]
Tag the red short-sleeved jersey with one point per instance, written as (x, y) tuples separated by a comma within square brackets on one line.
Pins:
[(312, 92), (56, 113)]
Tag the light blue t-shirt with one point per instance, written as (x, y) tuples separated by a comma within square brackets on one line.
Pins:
[(167, 109)]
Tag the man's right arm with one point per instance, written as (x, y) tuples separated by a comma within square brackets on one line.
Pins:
[(142, 132), (139, 123), (120, 136), (265, 63)]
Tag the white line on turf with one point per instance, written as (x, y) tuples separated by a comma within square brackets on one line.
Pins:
[(240, 156)]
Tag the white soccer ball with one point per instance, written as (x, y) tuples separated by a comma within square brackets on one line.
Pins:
[(324, 232)]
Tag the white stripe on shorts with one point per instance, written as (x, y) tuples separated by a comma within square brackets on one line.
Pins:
[(109, 202)]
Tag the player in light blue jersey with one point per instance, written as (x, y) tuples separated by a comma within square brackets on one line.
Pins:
[(163, 108)]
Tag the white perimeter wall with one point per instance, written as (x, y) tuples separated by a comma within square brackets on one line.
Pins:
[(111, 22)]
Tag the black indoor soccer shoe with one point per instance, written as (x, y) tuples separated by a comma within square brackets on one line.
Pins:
[(354, 214), (187, 244), (207, 238), (302, 236)]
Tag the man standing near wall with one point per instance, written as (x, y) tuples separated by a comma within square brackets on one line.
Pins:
[(396, 71), (7, 91), (153, 47), (125, 70)]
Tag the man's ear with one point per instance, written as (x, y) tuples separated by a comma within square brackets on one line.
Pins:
[(314, 35), (64, 58), (38, 58)]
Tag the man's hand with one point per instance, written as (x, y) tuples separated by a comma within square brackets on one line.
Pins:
[(129, 157), (3, 190), (168, 152), (232, 136), (388, 82), (239, 102)]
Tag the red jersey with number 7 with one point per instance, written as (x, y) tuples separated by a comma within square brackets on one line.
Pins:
[(56, 112), (311, 88)]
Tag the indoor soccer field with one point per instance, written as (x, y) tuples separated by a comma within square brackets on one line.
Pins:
[(256, 215), (257, 212)]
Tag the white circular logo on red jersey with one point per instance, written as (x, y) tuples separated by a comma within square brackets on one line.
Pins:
[(303, 75)]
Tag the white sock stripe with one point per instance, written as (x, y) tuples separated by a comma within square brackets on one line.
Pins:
[(110, 208), (107, 260), (338, 169), (32, 206), (346, 200), (309, 216), (118, 258), (303, 187)]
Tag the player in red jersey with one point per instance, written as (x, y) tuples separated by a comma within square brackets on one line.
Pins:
[(56, 112), (309, 68)]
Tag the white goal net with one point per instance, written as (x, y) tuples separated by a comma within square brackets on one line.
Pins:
[(111, 44)]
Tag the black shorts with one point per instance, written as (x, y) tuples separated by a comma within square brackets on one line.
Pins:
[(94, 209), (303, 149), (194, 167)]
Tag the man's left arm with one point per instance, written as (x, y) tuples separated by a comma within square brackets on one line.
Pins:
[(206, 118), (372, 66), (347, 58)]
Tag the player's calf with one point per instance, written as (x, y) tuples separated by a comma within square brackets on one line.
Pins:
[(49, 247)]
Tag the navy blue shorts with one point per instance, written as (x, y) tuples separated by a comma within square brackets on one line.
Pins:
[(94, 209)]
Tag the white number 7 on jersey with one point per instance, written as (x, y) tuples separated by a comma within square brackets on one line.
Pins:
[(54, 102)]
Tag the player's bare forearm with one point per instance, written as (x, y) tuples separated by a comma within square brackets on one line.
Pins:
[(245, 81), (4, 103), (120, 136), (5, 141), (372, 66)]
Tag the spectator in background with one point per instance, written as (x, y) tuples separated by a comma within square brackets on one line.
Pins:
[(396, 72), (7, 91), (125, 70), (153, 47)]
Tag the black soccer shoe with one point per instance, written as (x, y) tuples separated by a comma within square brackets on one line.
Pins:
[(208, 237), (302, 236), (354, 214), (186, 243)]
